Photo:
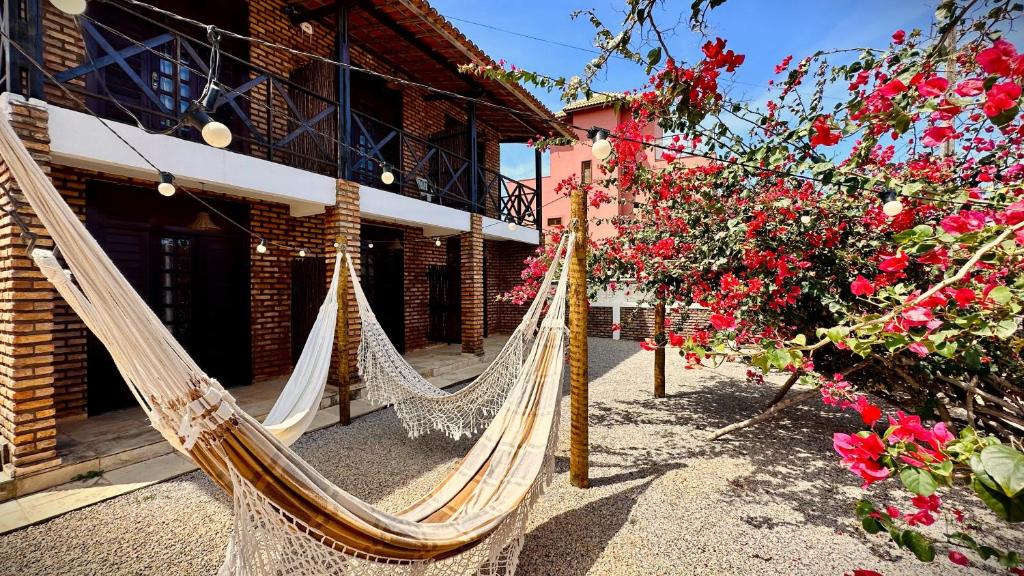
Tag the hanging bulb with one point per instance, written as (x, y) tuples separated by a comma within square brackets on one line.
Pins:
[(512, 226), (166, 185), (387, 177), (437, 242), (302, 253), (601, 148), (370, 245), (891, 204), (214, 133), (805, 219), (72, 7), (262, 247)]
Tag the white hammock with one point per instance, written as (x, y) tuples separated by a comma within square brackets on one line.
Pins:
[(423, 407), (288, 518)]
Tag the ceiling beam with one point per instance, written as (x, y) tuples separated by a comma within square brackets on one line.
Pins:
[(297, 14)]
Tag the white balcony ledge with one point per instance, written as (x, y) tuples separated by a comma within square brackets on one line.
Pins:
[(77, 139)]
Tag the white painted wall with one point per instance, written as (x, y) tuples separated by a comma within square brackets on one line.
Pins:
[(77, 139)]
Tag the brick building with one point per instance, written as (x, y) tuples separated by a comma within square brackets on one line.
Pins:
[(311, 143)]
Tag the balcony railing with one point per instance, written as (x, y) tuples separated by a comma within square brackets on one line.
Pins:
[(154, 80)]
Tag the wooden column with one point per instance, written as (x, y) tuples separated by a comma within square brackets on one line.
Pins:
[(341, 339), (659, 352), (341, 52), (579, 451), (538, 180)]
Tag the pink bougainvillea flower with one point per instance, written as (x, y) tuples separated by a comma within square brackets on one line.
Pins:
[(822, 132), (723, 321), (919, 349), (676, 340), (958, 558), (894, 263), (784, 64), (929, 503), (860, 453), (932, 87), (964, 222), (921, 517), (964, 297), (862, 287), (869, 413), (969, 88), (917, 316), (936, 135), (936, 256), (999, 59), (1014, 213), (1001, 97), (648, 346), (861, 572), (892, 511), (892, 88), (898, 37)]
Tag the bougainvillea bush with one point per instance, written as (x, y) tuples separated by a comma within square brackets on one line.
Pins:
[(862, 230)]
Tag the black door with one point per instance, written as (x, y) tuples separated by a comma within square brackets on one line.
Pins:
[(383, 280), (377, 114), (191, 267), (308, 292)]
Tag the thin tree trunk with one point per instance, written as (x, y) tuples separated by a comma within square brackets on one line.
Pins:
[(659, 352), (767, 414), (579, 448), (785, 389)]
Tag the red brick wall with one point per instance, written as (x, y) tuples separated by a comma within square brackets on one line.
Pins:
[(638, 323), (504, 266), (419, 254), (472, 244)]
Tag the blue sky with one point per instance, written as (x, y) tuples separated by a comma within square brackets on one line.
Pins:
[(765, 31)]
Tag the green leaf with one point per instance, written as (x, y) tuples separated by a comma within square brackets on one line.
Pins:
[(1011, 510), (917, 543), (918, 481), (864, 507), (1000, 294), (653, 57), (800, 340), (872, 526), (1006, 466)]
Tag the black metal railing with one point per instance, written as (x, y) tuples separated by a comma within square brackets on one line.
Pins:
[(154, 80)]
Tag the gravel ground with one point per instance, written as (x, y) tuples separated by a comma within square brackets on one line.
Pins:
[(770, 500)]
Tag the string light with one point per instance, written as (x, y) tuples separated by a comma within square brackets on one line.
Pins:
[(602, 148), (72, 7), (370, 245), (512, 226), (805, 219), (387, 177), (437, 242), (891, 204), (214, 133), (166, 185), (262, 247), (302, 253)]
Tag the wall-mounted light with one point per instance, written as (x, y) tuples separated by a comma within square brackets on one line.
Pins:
[(166, 185), (262, 247), (302, 253), (601, 148), (387, 176), (437, 242), (72, 7), (891, 204)]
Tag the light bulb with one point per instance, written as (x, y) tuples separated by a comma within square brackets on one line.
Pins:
[(73, 7), (437, 242), (370, 245), (602, 148), (512, 226), (166, 185), (892, 207), (387, 177), (261, 248), (805, 219), (217, 134), (302, 253)]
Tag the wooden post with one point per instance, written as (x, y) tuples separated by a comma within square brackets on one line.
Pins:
[(659, 352), (341, 337), (579, 452)]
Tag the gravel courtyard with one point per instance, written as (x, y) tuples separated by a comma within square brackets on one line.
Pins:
[(771, 500)]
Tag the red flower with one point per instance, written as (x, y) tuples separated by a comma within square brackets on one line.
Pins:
[(823, 134), (919, 349), (929, 503), (958, 558), (922, 517), (932, 87), (862, 286), (784, 64), (964, 222), (860, 454), (864, 573), (722, 321), (676, 340), (898, 37), (869, 413), (894, 263), (1000, 59), (969, 88), (1001, 97), (936, 135), (648, 346), (892, 88), (964, 297)]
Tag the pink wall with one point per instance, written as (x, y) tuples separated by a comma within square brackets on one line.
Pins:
[(566, 161)]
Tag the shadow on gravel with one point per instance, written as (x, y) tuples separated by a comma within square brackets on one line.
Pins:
[(549, 547)]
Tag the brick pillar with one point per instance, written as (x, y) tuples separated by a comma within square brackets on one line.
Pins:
[(27, 415), (344, 219), (473, 287)]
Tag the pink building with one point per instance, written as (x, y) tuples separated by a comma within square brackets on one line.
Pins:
[(577, 160)]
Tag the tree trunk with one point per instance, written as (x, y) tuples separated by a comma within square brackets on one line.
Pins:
[(579, 449), (659, 352)]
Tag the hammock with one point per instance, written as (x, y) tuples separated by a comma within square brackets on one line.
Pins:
[(423, 407), (288, 518), (300, 398)]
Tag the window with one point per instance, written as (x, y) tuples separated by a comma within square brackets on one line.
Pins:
[(555, 221), (586, 174)]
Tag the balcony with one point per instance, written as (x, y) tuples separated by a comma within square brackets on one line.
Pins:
[(149, 75)]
